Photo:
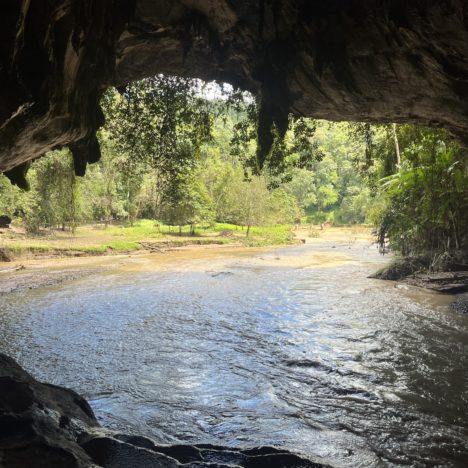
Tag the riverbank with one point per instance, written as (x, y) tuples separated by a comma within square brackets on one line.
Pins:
[(40, 269), (144, 236), (48, 267), (449, 275)]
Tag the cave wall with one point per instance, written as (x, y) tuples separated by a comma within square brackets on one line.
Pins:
[(378, 60)]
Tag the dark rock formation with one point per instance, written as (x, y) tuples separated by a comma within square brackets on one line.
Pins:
[(446, 273), (5, 221), (45, 426), (39, 423), (460, 305), (5, 255), (444, 282), (378, 60)]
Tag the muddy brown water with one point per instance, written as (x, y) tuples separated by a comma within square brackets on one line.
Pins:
[(293, 347)]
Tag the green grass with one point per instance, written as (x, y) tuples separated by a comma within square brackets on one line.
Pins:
[(123, 245), (117, 246), (92, 240), (269, 235), (147, 229), (21, 249), (144, 228), (259, 235)]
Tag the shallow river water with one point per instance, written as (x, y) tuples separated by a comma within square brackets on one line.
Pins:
[(292, 347)]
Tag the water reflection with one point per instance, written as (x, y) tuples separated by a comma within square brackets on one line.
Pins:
[(258, 348)]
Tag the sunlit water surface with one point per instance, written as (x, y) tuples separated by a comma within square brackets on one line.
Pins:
[(244, 351)]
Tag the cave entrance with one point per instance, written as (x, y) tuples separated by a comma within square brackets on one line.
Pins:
[(221, 298)]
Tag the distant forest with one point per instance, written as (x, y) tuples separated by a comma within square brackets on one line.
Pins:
[(173, 155)]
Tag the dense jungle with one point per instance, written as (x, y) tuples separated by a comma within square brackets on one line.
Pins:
[(184, 155)]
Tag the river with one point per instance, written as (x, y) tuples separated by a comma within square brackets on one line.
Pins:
[(293, 347)]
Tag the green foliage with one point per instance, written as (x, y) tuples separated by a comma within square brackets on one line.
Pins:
[(283, 208), (249, 202), (302, 187), (420, 179), (171, 155), (188, 202), (330, 189), (103, 183), (428, 199), (13, 201), (151, 119), (54, 198), (356, 206), (157, 126)]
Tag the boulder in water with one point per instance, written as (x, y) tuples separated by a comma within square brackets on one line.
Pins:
[(460, 305)]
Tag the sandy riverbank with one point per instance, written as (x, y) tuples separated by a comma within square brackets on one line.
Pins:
[(40, 271)]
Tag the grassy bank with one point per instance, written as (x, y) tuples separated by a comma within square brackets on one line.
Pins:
[(143, 235)]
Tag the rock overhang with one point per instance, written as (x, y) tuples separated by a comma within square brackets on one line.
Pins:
[(374, 61)]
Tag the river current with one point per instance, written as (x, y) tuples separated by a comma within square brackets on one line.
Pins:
[(293, 347)]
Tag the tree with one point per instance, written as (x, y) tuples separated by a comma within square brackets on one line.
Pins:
[(422, 201), (354, 207), (153, 118), (187, 202), (12, 199), (102, 184), (56, 191), (248, 201), (302, 187), (283, 208)]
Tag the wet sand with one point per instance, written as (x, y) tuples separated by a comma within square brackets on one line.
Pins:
[(41, 272)]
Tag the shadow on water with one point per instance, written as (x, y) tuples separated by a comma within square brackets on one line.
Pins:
[(294, 347)]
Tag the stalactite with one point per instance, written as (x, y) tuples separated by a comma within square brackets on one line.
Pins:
[(334, 60)]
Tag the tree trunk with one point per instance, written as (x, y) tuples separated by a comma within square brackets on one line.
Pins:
[(397, 145), (248, 231)]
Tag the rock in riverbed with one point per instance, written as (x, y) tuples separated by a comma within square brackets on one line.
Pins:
[(460, 305), (5, 221), (46, 426), (4, 255), (445, 282)]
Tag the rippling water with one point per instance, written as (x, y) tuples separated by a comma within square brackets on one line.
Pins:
[(256, 348)]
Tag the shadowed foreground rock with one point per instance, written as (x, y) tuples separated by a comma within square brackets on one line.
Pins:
[(46, 426)]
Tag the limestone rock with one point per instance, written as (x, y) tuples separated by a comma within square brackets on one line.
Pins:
[(46, 426), (398, 61), (39, 423)]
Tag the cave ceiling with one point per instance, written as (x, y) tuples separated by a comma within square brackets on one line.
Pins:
[(373, 60)]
